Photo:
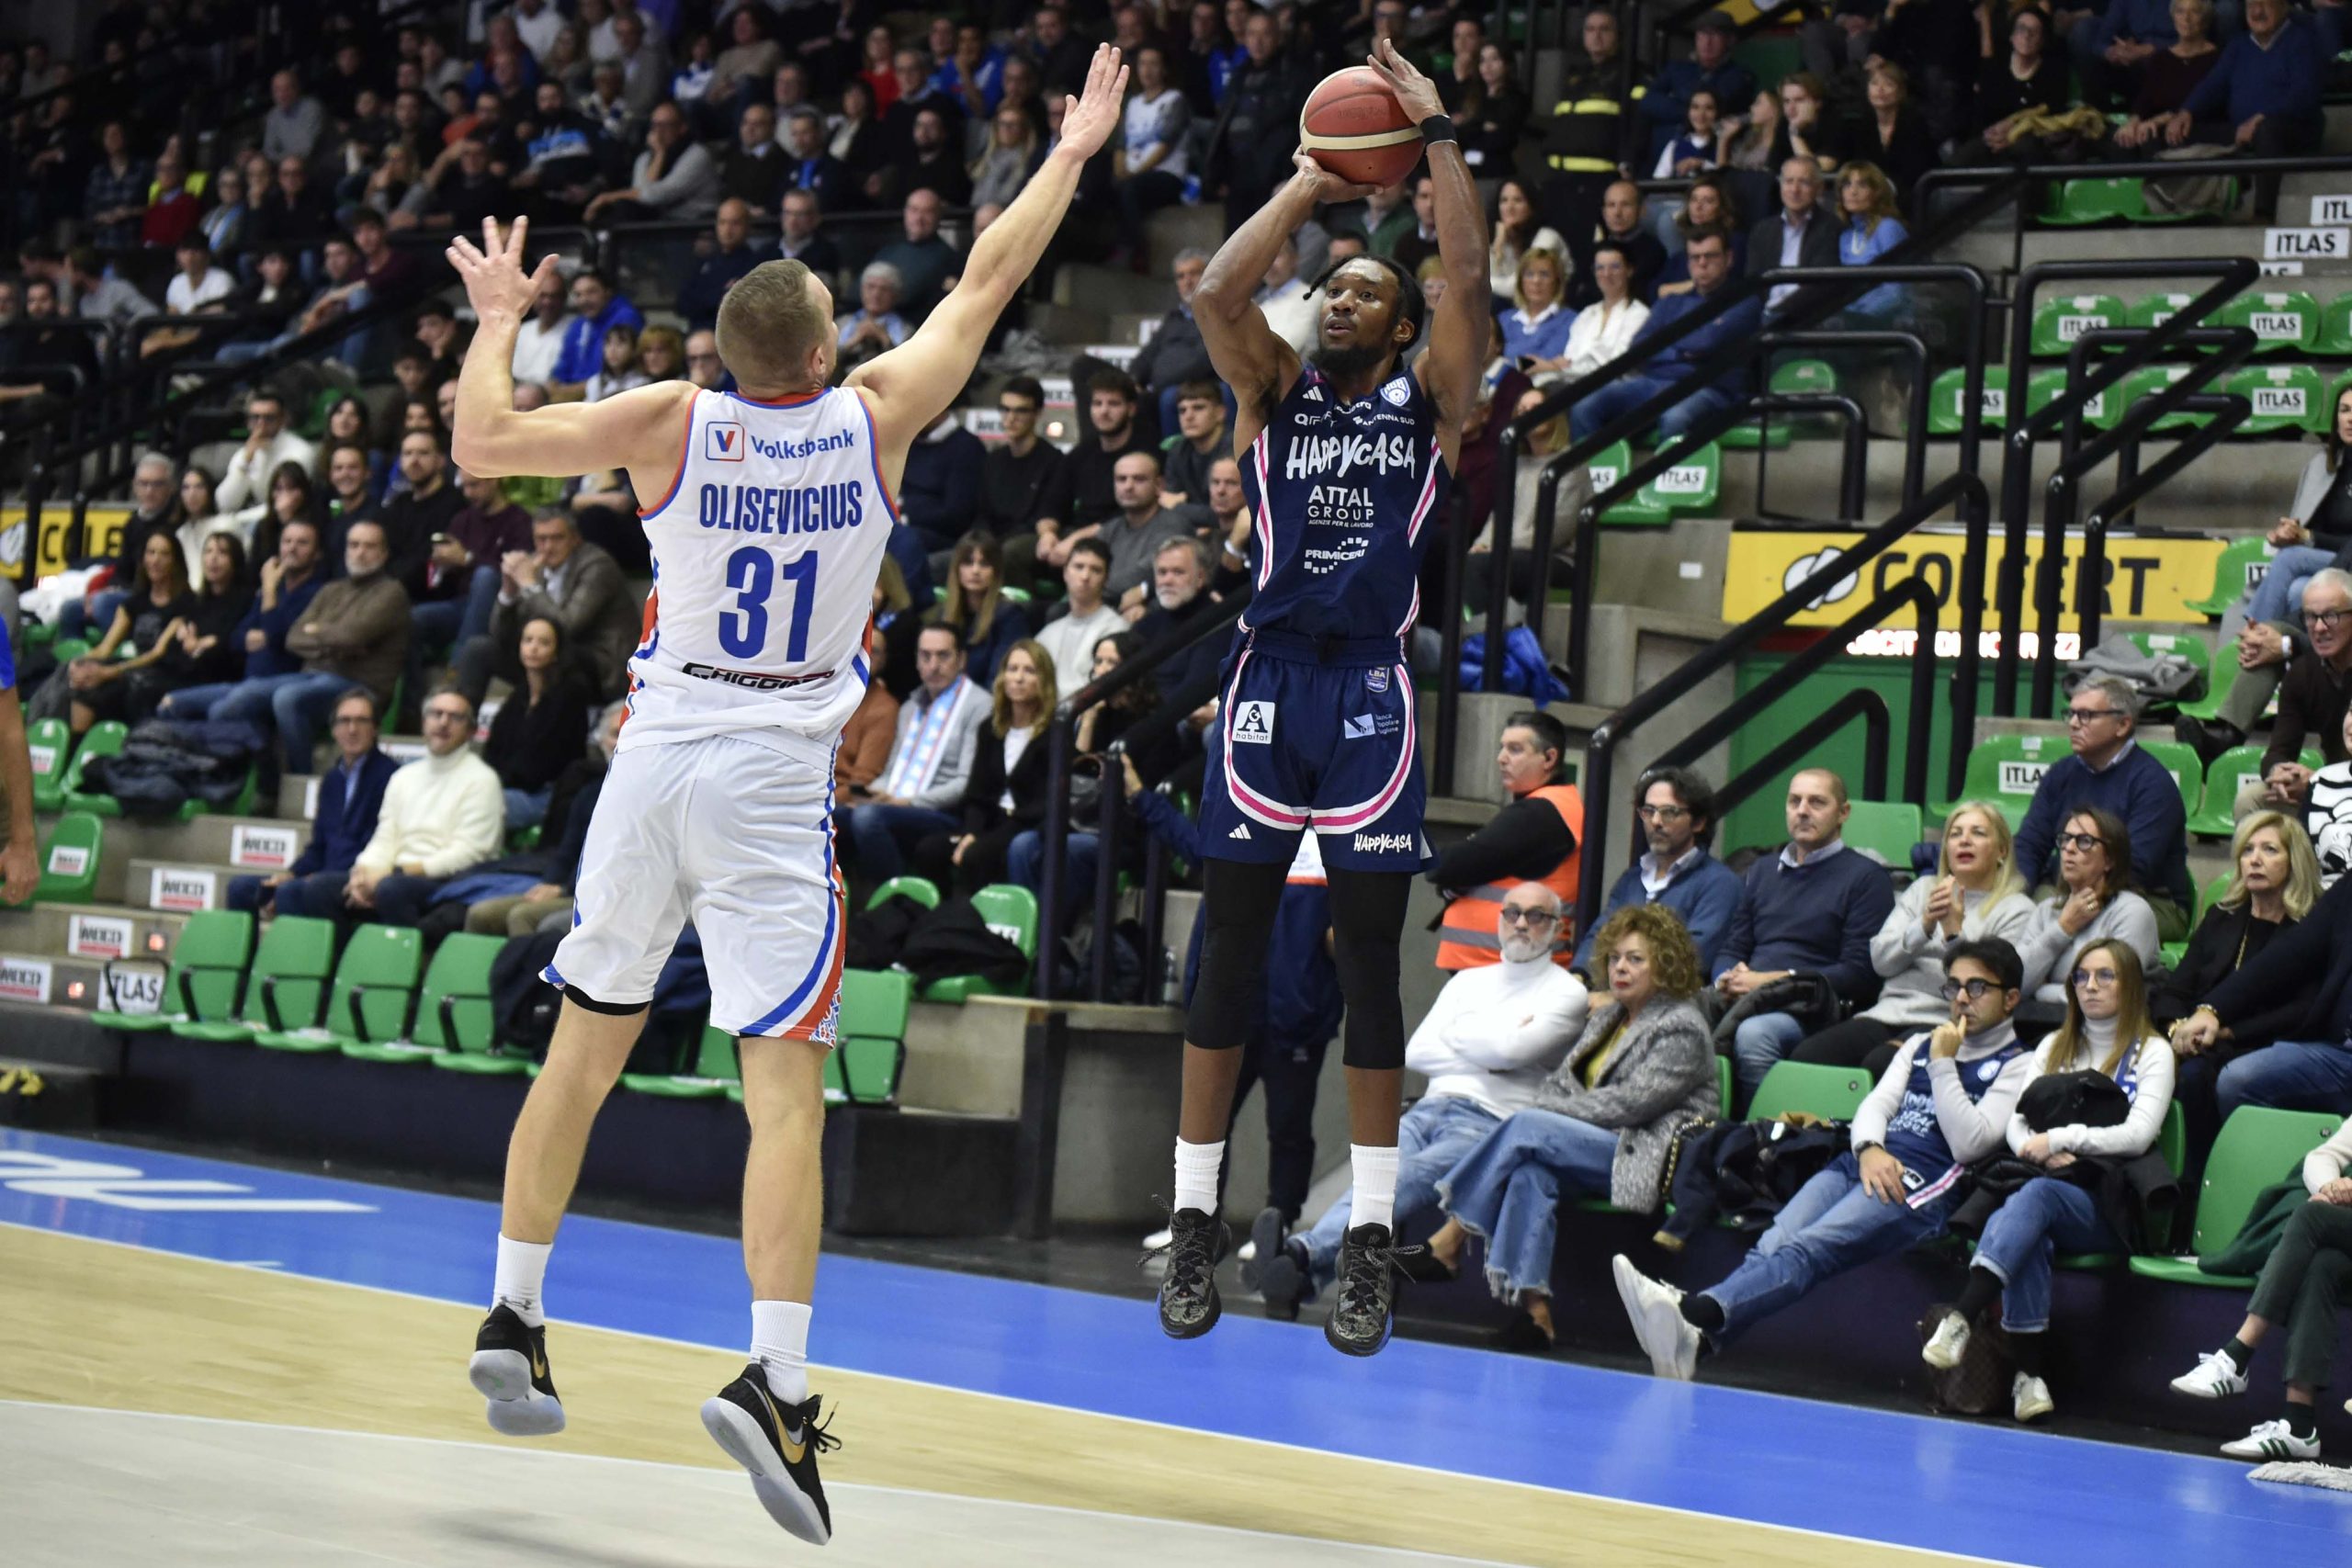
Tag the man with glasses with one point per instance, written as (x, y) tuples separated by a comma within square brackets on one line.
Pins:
[(1677, 811), (440, 815), (704, 368), (1533, 839), (2107, 770), (245, 480), (1014, 479), (2314, 683), (1943, 1103), (354, 634), (1493, 1035), (350, 796)]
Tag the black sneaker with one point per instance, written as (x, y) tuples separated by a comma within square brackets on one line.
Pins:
[(780, 1445), (1278, 1268), (1188, 1301), (510, 1370), (1360, 1316)]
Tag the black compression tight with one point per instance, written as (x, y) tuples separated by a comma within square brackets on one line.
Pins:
[(1368, 928)]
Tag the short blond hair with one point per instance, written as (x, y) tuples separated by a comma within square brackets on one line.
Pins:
[(768, 324)]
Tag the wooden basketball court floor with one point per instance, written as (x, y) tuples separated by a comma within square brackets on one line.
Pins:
[(212, 1363)]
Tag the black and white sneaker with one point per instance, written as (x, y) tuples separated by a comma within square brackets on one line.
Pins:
[(1188, 1300), (780, 1445), (1362, 1310), (510, 1370), (1275, 1265)]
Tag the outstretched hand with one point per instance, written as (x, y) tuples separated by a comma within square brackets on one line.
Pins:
[(1414, 91), (1089, 119), (495, 282)]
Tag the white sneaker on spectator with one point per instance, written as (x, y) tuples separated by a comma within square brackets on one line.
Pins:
[(1948, 1344), (1158, 1239), (1248, 1253), (2216, 1377), (2273, 1439), (2029, 1397), (1670, 1340)]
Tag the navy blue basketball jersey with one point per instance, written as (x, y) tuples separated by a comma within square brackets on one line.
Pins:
[(1341, 499)]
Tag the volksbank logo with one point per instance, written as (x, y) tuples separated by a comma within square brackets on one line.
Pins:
[(793, 451)]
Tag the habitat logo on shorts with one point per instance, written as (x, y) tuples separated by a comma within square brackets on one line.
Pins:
[(1253, 723), (722, 442)]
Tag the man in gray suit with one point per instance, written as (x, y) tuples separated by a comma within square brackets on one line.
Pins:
[(570, 582), (1802, 233)]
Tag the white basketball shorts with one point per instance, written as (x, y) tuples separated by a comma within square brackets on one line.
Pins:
[(738, 838)]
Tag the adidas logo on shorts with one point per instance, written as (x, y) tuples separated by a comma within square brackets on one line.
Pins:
[(1241, 830)]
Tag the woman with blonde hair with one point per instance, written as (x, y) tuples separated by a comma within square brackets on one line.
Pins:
[(661, 354), (1976, 893), (1535, 333), (1874, 227), (2107, 1035), (2274, 882), (1012, 156), (1602, 1125), (975, 605), (1006, 794)]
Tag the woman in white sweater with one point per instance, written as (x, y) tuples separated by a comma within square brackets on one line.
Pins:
[(2093, 904), (2306, 1282), (1602, 332), (1976, 892), (2108, 1031)]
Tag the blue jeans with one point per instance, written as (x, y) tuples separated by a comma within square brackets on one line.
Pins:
[(1761, 1040), (1507, 1190), (2026, 1235), (318, 895), (1622, 396), (1431, 1140), (2289, 1075), (296, 703), (193, 702), (1830, 1226), (878, 836), (1024, 864), (527, 808), (2279, 594), (72, 620)]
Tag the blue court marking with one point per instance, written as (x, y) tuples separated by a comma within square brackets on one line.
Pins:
[(1980, 1489)]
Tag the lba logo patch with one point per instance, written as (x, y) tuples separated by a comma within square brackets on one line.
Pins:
[(1253, 723), (722, 442)]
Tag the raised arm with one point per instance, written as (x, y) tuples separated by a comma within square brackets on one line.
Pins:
[(908, 387), (641, 430), (1450, 365)]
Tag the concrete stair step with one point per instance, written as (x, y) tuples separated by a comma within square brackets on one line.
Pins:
[(44, 980), (95, 931), (1108, 289), (176, 886)]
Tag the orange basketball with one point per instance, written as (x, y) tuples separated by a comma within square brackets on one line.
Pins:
[(1353, 126)]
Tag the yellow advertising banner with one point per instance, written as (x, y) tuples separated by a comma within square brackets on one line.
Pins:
[(103, 521), (2147, 578)]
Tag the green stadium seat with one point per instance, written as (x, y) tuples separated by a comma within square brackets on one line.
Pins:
[(2146, 382), (2285, 397), (452, 1007), (1011, 912), (1944, 394), (1789, 376), (69, 862), (2282, 319), (2060, 318), (2073, 203), (50, 740), (105, 740), (208, 967), (1723, 1086), (2175, 644), (2335, 326), (1886, 828), (715, 1068), (68, 648), (287, 983), (2047, 386), (872, 1053), (1689, 489), (375, 984), (1613, 464), (922, 889), (2004, 769), (2237, 571), (2224, 675), (463, 1020), (2215, 889), (1831, 1093), (2233, 770), (2154, 310), (2257, 1147), (2181, 762)]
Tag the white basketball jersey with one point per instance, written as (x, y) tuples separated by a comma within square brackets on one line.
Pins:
[(764, 555)]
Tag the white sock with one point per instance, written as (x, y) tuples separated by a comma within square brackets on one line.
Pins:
[(780, 1345), (1374, 1202), (522, 1271), (1196, 1170)]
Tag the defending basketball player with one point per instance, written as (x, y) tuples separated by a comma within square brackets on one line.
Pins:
[(768, 511), (1346, 464)]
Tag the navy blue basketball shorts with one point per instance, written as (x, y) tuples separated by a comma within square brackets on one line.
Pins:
[(1318, 736)]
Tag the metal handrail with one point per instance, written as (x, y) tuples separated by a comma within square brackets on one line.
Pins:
[(1602, 747), (2233, 410), (1876, 727)]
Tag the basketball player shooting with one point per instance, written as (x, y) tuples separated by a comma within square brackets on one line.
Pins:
[(768, 509), (1346, 462)]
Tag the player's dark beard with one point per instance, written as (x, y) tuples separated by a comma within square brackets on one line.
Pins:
[(1348, 362)]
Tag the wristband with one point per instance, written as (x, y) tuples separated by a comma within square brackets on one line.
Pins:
[(1863, 1149), (1436, 129)]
